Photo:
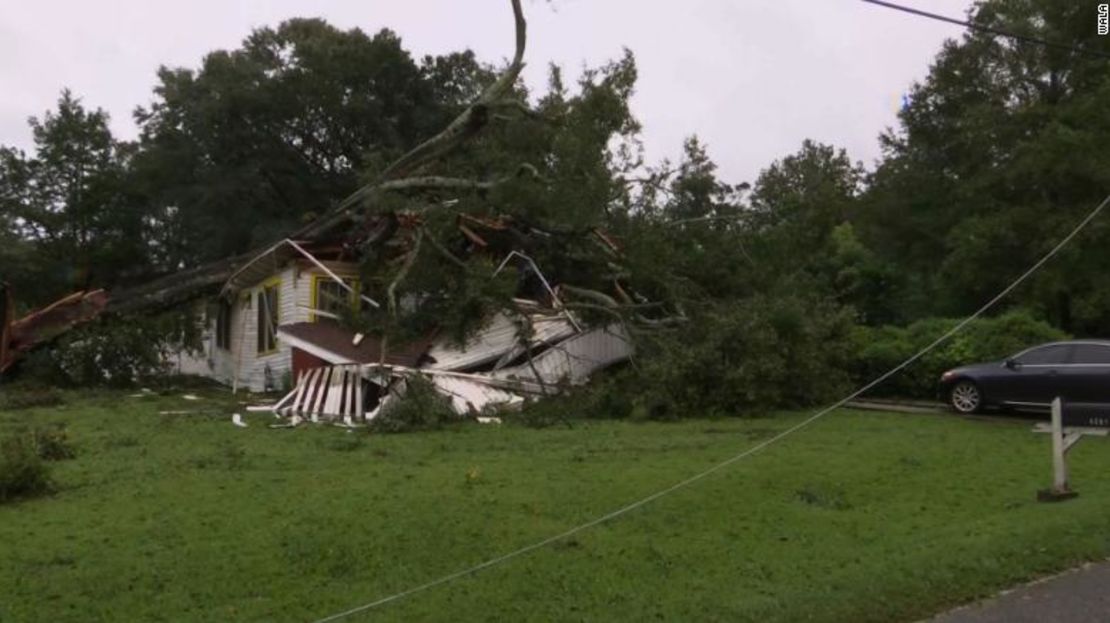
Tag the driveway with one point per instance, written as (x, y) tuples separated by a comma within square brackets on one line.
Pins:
[(1081, 595)]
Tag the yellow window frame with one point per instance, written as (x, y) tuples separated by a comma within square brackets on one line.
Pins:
[(314, 294), (275, 284)]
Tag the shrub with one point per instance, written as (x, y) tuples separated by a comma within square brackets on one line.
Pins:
[(879, 349), (560, 409), (749, 357), (120, 352), (22, 471), (422, 408), (52, 443)]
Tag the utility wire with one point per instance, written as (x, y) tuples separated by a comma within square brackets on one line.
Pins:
[(989, 29), (746, 453)]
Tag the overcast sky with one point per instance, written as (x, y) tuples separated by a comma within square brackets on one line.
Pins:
[(752, 78)]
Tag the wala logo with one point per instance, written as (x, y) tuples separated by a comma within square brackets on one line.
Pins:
[(1104, 19)]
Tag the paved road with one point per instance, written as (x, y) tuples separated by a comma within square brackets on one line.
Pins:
[(1078, 596)]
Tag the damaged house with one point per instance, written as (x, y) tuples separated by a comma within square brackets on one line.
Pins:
[(275, 325), (270, 318)]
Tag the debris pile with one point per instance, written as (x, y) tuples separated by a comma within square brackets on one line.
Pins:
[(531, 353)]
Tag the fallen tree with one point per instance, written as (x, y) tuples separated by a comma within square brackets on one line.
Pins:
[(353, 214), (434, 236)]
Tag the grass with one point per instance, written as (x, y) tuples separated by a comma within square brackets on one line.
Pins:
[(863, 517)]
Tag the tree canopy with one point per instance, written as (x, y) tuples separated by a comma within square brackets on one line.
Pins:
[(998, 152)]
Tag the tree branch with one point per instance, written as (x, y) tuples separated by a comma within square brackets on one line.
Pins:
[(593, 295), (401, 274), (455, 183), (442, 250), (474, 118), (468, 123)]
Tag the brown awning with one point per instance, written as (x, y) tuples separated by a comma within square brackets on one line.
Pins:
[(334, 344)]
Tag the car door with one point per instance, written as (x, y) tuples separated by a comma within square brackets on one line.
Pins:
[(1087, 378), (1038, 379)]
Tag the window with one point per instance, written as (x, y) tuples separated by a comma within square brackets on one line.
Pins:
[(223, 325), (331, 298), (1046, 355), (1091, 354), (268, 317)]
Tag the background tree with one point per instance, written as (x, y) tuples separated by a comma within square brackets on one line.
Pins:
[(1000, 151), (262, 139), (71, 204)]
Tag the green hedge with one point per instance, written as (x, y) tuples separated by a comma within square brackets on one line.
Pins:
[(746, 357), (879, 349)]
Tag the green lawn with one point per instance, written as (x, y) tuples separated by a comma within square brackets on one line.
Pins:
[(862, 517)]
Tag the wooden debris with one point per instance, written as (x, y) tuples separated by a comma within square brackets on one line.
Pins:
[(22, 335)]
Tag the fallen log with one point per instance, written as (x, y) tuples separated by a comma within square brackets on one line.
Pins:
[(41, 326)]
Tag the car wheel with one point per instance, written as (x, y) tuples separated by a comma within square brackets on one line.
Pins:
[(965, 397)]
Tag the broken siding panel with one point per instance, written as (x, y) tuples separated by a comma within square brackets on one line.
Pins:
[(468, 396), (574, 359), (546, 330), (485, 346), (497, 339)]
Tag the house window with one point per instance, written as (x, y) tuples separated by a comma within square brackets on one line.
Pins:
[(331, 298), (268, 317), (223, 325)]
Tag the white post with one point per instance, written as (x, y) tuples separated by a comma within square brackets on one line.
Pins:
[(1062, 441), (1059, 461)]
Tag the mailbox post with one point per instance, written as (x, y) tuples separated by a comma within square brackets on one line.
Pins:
[(1063, 438)]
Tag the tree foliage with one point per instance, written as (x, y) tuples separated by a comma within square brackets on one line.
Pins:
[(739, 295), (261, 139), (1001, 150), (69, 215)]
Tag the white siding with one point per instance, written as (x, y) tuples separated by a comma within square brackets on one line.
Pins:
[(253, 365)]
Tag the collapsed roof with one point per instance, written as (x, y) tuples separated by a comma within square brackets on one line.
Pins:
[(502, 366)]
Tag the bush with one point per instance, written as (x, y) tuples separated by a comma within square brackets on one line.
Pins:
[(52, 443), (579, 402), (748, 357), (421, 408), (22, 471), (879, 349), (119, 352)]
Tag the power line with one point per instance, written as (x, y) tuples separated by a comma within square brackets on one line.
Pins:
[(492, 562), (988, 29)]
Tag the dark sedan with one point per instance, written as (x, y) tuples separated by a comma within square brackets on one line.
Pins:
[(1077, 371)]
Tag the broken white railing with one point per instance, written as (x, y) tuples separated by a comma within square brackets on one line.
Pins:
[(339, 392)]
